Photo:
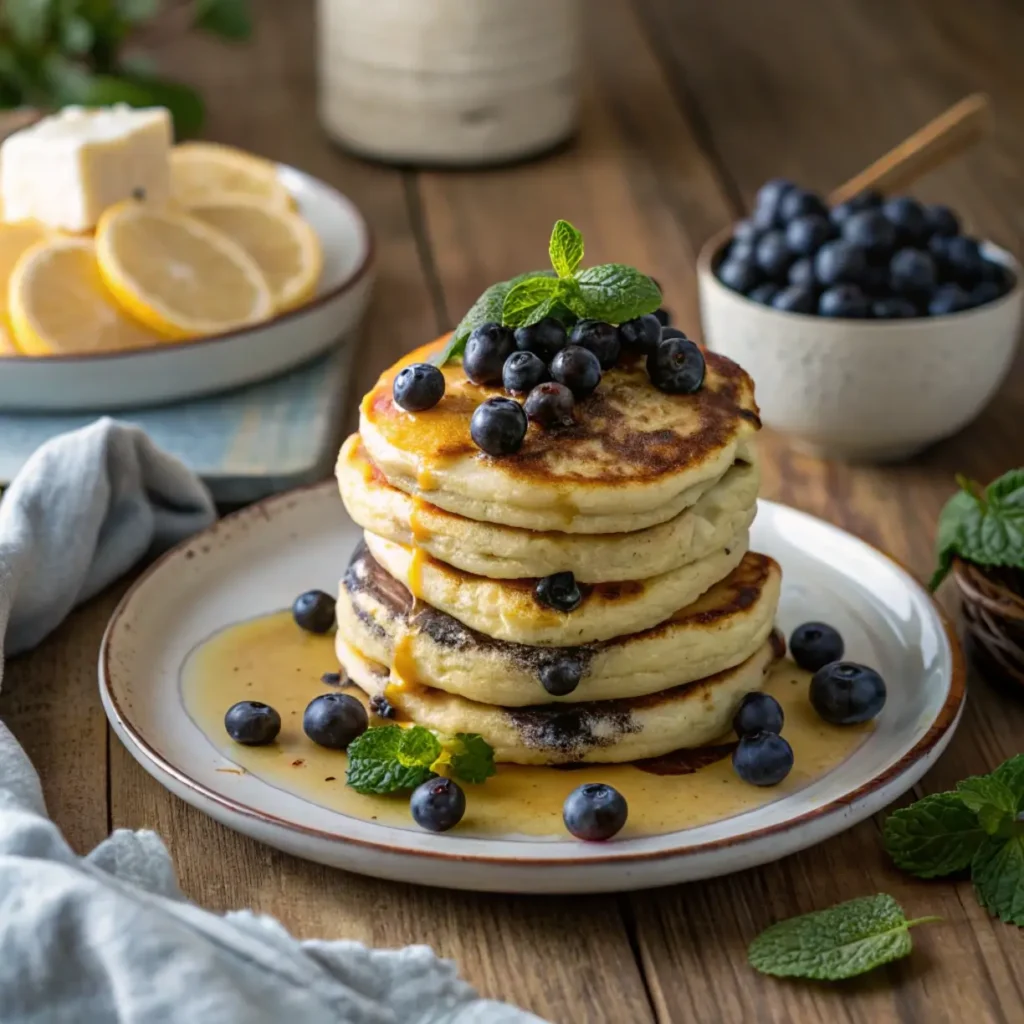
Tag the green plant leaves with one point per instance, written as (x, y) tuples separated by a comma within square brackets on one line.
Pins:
[(614, 293), (531, 300), (471, 757), (29, 21), (933, 837), (565, 248), (226, 18), (998, 875)]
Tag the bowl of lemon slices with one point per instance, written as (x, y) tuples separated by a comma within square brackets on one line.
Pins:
[(135, 272)]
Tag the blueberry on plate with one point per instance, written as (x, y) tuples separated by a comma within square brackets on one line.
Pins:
[(334, 720), (912, 272), (664, 316), (418, 387), (641, 334), (764, 293), (543, 339), (487, 348), (594, 811), (772, 255), (845, 693), (739, 275), (762, 759), (806, 235), (252, 723), (550, 405), (895, 308), (600, 338), (799, 202), (840, 262), (769, 198), (801, 272), (796, 299), (561, 677), (814, 645), (872, 231), (313, 611), (909, 219), (498, 426), (844, 301), (559, 591), (671, 332), (948, 298), (437, 804), (578, 369), (523, 371), (677, 367), (866, 200), (758, 712), (941, 220)]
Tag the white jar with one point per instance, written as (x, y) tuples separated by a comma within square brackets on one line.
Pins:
[(449, 81)]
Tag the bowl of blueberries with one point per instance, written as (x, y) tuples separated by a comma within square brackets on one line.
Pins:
[(872, 328)]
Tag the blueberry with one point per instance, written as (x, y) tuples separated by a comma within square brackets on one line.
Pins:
[(772, 255), (252, 723), (996, 273), (912, 272), (600, 338), (742, 250), (543, 339), (908, 217), (802, 273), (561, 677), (799, 202), (845, 693), (437, 804), (642, 334), (745, 231), (840, 262), (762, 759), (671, 332), (594, 811), (844, 300), (867, 200), (983, 292), (763, 293), (963, 260), (523, 371), (871, 231), (313, 611), (796, 299), (578, 369), (486, 351), (677, 367), (875, 281), (806, 235), (550, 405), (895, 308), (498, 426), (941, 220), (758, 712), (739, 275), (558, 591), (664, 317), (334, 720), (382, 707), (767, 213), (418, 387), (948, 298), (814, 645)]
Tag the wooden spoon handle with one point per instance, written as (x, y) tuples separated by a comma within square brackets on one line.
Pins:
[(960, 127)]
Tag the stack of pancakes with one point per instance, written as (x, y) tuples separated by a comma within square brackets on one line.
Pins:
[(647, 500)]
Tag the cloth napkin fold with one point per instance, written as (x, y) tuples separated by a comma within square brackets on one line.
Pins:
[(109, 937)]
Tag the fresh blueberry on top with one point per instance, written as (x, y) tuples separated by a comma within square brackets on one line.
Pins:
[(767, 213), (664, 317), (561, 677), (418, 387), (594, 812), (764, 293), (641, 334), (895, 308), (772, 255), (382, 707), (523, 371), (671, 332), (840, 262), (762, 759), (600, 338), (543, 339), (948, 298), (437, 804), (867, 200), (845, 693), (912, 272), (739, 275), (559, 591), (964, 260), (814, 645), (550, 405), (677, 366), (806, 235), (498, 426), (871, 231), (802, 273), (313, 611), (486, 351), (941, 220), (334, 720), (799, 202), (578, 369), (252, 723), (743, 249), (845, 301), (876, 279), (909, 219), (758, 712), (796, 299)]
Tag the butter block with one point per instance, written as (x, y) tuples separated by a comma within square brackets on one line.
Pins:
[(68, 168)]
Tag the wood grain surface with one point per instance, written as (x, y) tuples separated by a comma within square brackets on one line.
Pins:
[(687, 108)]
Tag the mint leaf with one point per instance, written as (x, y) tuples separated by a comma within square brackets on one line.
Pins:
[(472, 757), (614, 293), (418, 748), (228, 19), (1011, 774), (936, 836), (998, 875), (383, 760), (947, 541), (990, 798), (842, 942), (530, 300), (565, 248)]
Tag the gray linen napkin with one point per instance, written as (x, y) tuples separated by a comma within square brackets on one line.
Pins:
[(109, 937)]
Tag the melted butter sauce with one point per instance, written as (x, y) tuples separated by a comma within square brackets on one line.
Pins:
[(270, 659)]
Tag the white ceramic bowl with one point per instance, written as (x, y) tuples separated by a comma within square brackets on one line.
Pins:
[(167, 373), (864, 390)]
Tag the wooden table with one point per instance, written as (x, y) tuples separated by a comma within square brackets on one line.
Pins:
[(688, 107)]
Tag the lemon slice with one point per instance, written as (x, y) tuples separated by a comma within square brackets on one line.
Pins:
[(59, 304), (203, 172), (15, 238), (176, 274), (283, 245), (7, 346)]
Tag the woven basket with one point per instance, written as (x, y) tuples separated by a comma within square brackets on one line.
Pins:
[(994, 621)]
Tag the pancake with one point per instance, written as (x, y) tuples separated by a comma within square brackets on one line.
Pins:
[(634, 458), (376, 615), (508, 609), (610, 731), (507, 552)]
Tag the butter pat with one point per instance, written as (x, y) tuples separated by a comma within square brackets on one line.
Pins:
[(68, 168)]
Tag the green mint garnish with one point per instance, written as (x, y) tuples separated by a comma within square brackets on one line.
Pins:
[(531, 300), (998, 875), (565, 248), (472, 757), (984, 526), (842, 942), (934, 837)]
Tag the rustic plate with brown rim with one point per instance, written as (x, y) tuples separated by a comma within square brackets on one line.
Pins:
[(256, 561)]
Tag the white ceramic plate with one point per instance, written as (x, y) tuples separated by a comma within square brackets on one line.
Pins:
[(167, 373), (257, 560)]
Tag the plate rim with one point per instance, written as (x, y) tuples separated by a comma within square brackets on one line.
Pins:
[(946, 719)]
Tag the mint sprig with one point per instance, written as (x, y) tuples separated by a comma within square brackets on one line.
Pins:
[(935, 837), (842, 942)]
